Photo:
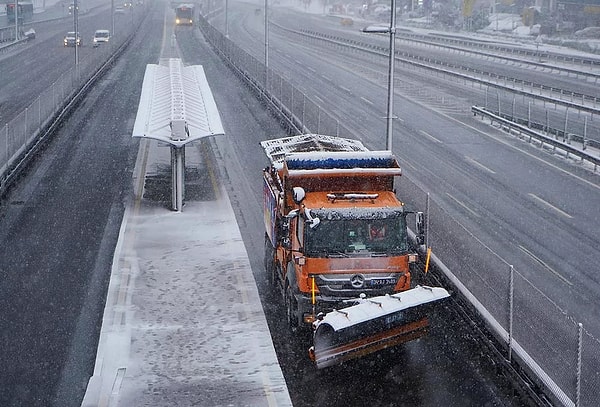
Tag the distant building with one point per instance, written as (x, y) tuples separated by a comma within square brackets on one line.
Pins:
[(580, 13)]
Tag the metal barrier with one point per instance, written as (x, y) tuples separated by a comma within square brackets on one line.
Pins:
[(521, 130)]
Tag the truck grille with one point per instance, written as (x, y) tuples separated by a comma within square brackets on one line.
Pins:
[(352, 285)]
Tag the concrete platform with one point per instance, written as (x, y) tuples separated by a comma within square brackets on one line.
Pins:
[(183, 323)]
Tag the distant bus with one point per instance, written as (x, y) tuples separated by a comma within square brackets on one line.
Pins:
[(184, 14), (25, 11)]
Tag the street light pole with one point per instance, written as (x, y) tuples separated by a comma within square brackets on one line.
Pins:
[(76, 27), (390, 103), (112, 21), (16, 14), (226, 22), (266, 44), (390, 98), (266, 33)]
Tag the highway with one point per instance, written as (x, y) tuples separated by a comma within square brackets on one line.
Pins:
[(525, 196), (47, 58), (60, 223), (496, 201)]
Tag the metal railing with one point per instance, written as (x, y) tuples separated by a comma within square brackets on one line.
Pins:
[(486, 78), (524, 131)]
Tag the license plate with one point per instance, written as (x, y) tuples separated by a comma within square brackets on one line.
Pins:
[(383, 281)]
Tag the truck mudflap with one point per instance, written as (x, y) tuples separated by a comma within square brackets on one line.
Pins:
[(372, 325)]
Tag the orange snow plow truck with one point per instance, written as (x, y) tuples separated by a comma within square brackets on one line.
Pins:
[(337, 246)]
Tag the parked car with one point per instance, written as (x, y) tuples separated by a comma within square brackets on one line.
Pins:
[(101, 37), (119, 10), (72, 39)]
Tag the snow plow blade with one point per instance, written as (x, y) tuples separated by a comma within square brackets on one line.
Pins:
[(372, 325)]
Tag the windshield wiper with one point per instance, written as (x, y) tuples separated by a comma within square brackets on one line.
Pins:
[(327, 252), (338, 253)]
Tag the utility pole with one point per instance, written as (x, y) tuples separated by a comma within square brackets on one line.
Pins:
[(112, 20), (391, 30), (16, 20), (266, 33), (226, 22), (390, 109), (76, 27)]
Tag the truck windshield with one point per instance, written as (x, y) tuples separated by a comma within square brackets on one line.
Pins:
[(346, 236)]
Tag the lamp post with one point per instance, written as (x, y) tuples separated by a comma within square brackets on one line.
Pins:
[(226, 19), (266, 34), (76, 28), (16, 14), (266, 44), (496, 12), (112, 21), (390, 97)]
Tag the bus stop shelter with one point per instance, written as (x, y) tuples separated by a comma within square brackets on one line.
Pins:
[(176, 107)]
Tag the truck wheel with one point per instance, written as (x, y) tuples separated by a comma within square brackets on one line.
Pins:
[(269, 260), (291, 308)]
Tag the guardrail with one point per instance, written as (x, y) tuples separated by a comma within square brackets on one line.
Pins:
[(454, 39), (409, 59), (466, 46), (7, 39), (520, 130), (581, 128)]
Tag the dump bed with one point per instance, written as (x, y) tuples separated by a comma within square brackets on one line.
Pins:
[(324, 163)]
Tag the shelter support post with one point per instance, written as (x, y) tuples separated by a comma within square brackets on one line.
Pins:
[(177, 177)]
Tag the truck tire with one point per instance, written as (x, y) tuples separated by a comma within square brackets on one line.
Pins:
[(269, 261), (291, 309)]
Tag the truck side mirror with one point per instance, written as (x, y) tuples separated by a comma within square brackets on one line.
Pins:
[(420, 228), (298, 195)]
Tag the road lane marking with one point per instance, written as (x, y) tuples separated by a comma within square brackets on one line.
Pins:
[(366, 100), (345, 89), (430, 136), (463, 205), (546, 266), (516, 148), (477, 163), (549, 205)]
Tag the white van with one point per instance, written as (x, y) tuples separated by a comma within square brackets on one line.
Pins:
[(100, 37)]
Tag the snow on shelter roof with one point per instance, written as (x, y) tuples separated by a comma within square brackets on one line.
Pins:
[(176, 105)]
